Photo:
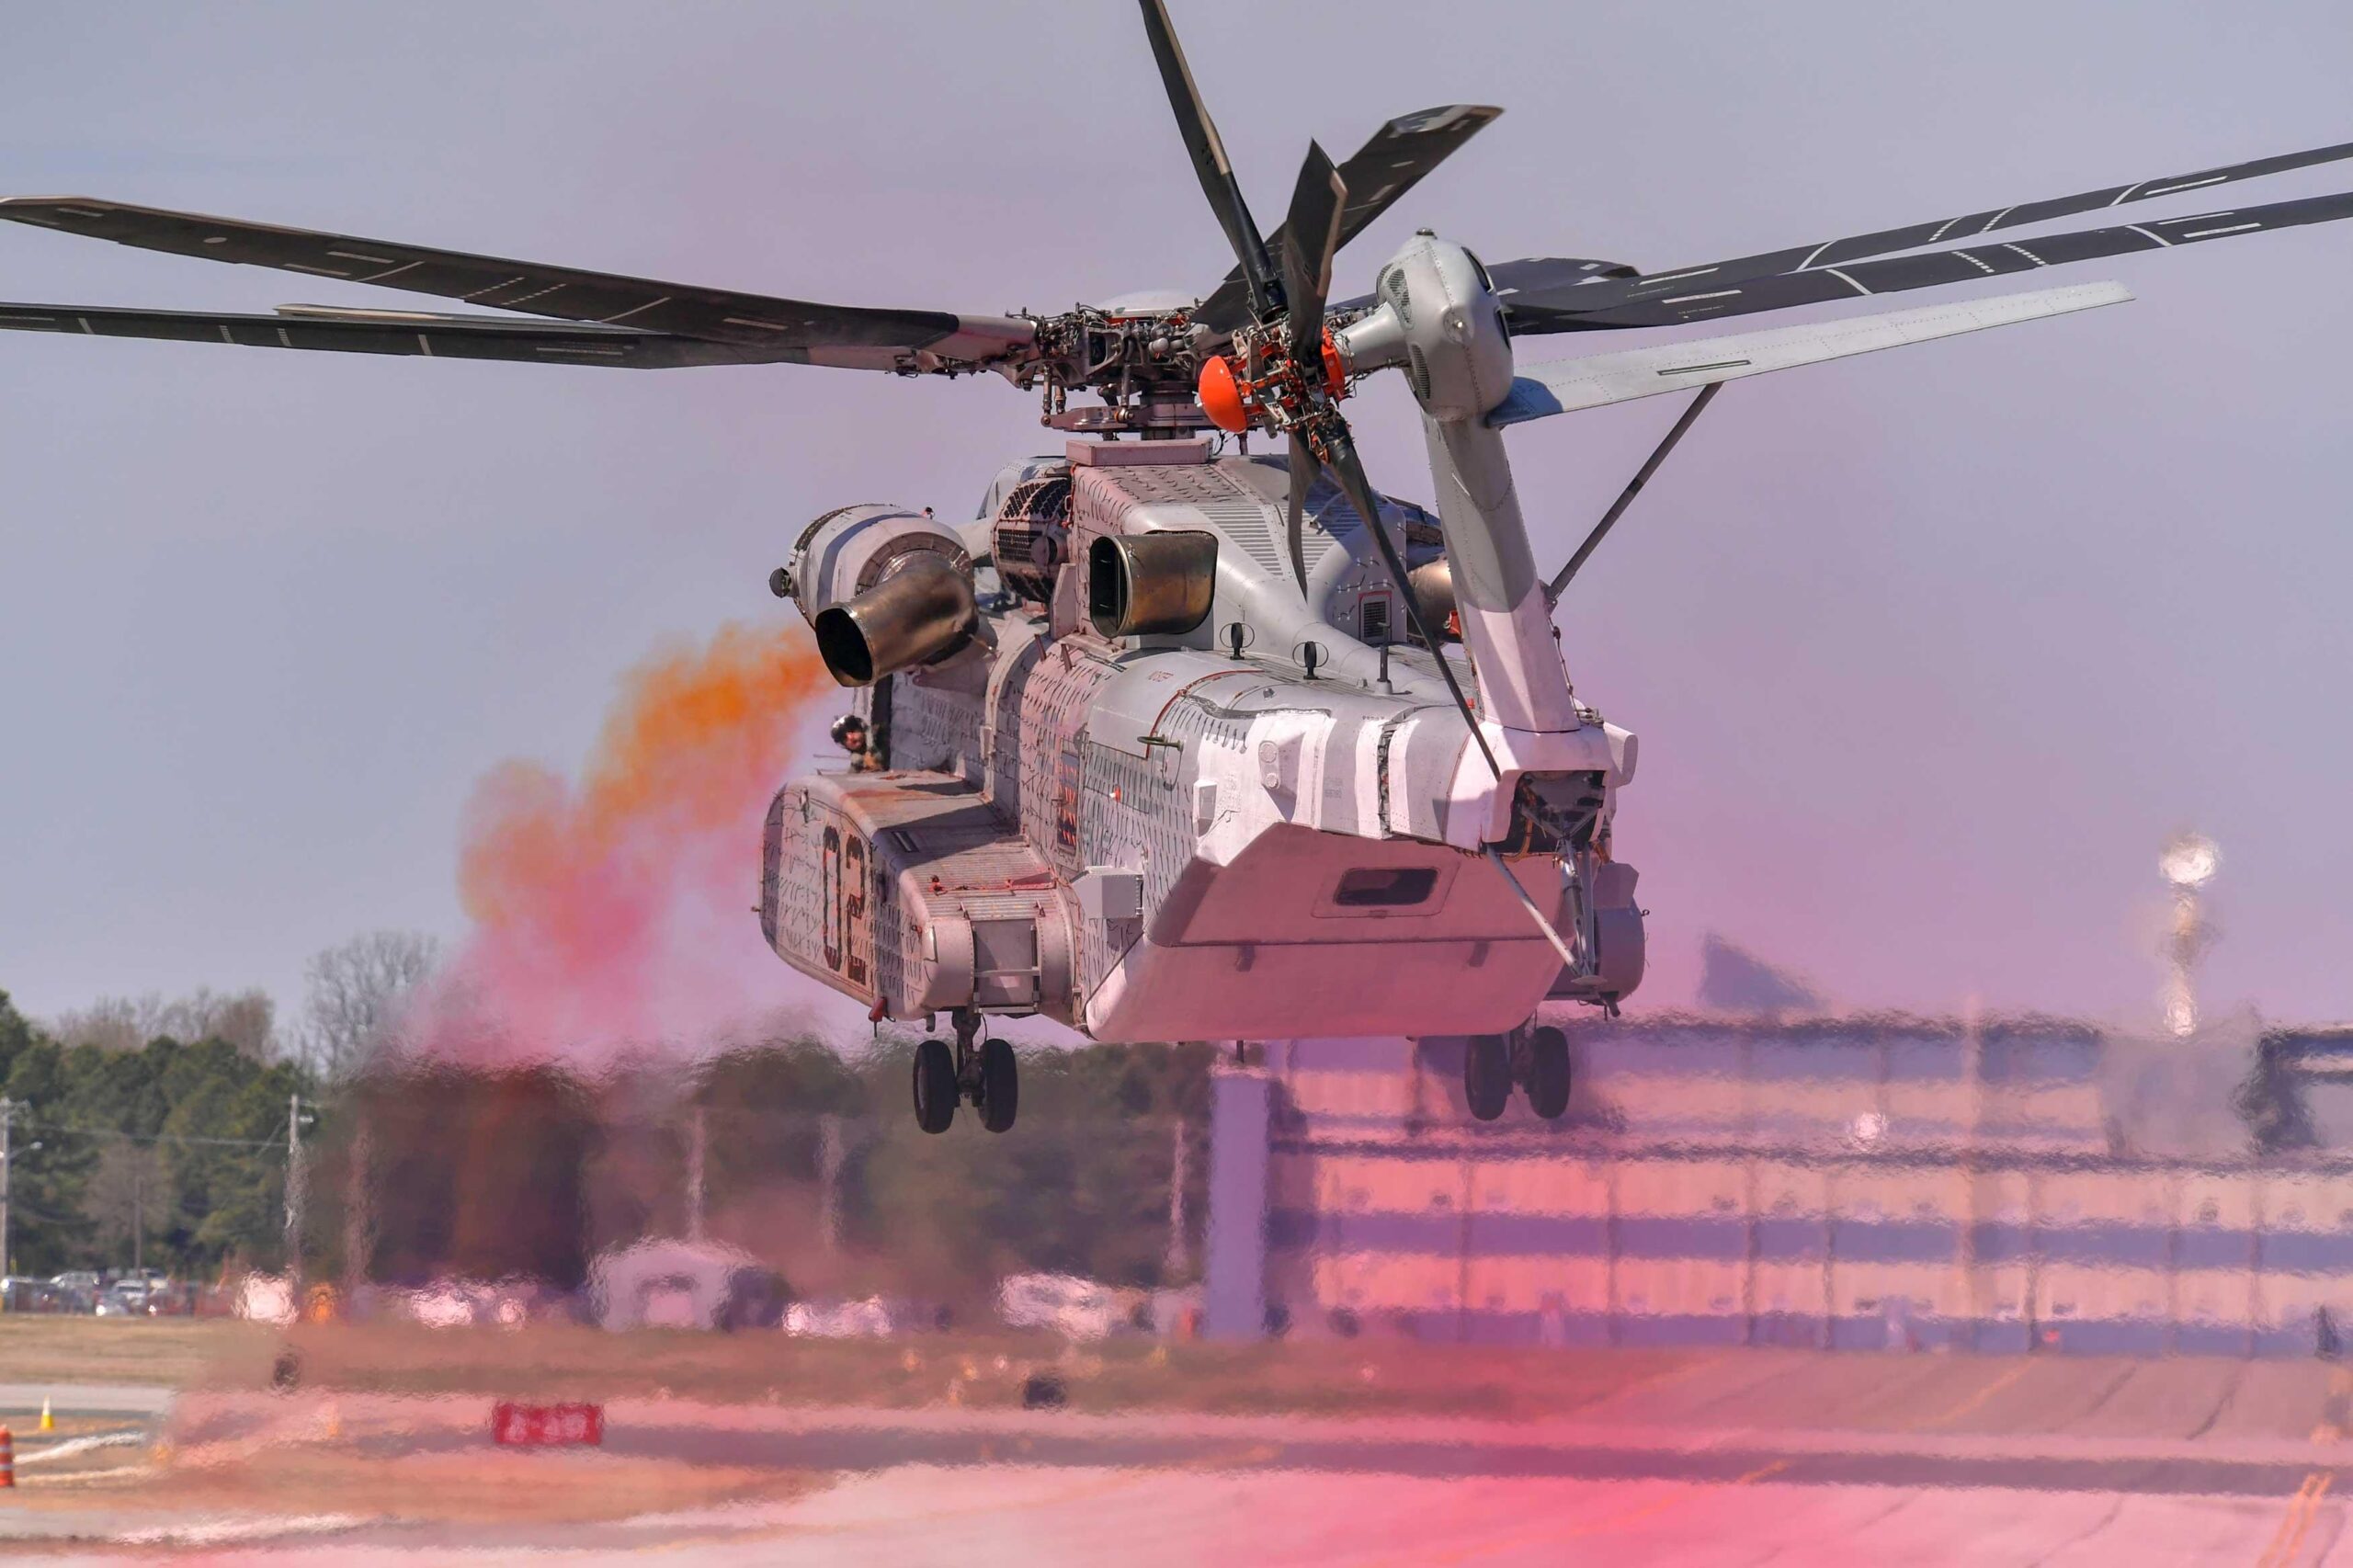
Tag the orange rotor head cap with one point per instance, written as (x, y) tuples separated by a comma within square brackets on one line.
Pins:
[(1220, 395)]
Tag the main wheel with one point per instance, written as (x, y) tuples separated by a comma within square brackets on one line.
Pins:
[(1000, 1086), (1486, 1075), (934, 1085), (1547, 1073)]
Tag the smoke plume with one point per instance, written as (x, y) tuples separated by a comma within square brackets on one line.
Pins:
[(616, 908)]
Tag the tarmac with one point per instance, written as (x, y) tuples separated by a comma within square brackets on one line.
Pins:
[(1734, 1458)]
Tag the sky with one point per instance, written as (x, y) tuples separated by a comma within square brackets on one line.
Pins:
[(1929, 651)]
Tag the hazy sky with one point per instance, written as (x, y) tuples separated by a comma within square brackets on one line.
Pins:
[(1927, 651)]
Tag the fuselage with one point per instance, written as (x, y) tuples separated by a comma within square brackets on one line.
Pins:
[(1265, 824)]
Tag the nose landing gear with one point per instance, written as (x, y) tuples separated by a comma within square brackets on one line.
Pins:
[(1535, 1059), (983, 1075)]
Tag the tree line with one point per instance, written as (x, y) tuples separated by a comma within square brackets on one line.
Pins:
[(172, 1154), (159, 1130)]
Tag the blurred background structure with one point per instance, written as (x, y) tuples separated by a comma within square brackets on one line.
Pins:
[(1876, 1182)]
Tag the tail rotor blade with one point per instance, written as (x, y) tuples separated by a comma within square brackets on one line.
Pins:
[(1349, 470), (1303, 469), (1208, 152), (1376, 174), (1310, 234)]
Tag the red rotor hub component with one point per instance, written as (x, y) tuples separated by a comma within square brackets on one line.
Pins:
[(1221, 395)]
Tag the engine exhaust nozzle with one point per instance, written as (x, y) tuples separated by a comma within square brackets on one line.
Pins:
[(921, 613)]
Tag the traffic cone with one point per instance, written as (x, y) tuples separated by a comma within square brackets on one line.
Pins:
[(47, 1422), (7, 1458)]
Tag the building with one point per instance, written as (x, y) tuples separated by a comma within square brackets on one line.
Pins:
[(1875, 1182)]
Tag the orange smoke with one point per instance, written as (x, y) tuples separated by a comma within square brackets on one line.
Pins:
[(618, 908)]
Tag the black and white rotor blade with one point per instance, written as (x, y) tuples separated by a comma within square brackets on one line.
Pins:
[(1208, 152), (395, 332), (1376, 175), (852, 336), (1605, 295), (1705, 298)]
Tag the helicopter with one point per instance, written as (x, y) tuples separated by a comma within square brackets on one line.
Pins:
[(1176, 740)]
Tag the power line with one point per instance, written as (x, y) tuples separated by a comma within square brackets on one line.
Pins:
[(160, 1137)]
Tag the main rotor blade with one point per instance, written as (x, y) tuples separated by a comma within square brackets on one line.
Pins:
[(392, 332), (1837, 252), (1381, 171), (1565, 311), (1655, 370), (919, 339), (1208, 152), (1349, 470)]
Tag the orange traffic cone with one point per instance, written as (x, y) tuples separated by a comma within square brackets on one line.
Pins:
[(7, 1458)]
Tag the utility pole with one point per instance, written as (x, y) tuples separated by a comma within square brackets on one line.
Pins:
[(294, 1195), (695, 1148), (830, 1153), (8, 1162), (1172, 1268), (359, 1205)]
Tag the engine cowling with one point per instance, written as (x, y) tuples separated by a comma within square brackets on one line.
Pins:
[(851, 549), (884, 587), (922, 611)]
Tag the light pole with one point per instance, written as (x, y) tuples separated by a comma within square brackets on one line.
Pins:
[(2188, 862)]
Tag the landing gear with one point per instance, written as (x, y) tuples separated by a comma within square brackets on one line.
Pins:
[(934, 1085), (1000, 1086), (1535, 1059), (980, 1071), (1486, 1074), (1546, 1075)]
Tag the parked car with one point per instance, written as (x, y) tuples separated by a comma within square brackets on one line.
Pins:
[(869, 1319), (123, 1299), (1072, 1307)]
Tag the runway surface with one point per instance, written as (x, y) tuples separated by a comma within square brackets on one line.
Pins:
[(1730, 1458)]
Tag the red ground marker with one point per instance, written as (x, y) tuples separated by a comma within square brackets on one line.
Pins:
[(546, 1426)]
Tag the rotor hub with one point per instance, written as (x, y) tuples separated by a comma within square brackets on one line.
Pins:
[(1283, 396)]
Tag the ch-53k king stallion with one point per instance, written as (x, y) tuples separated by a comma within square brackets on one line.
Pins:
[(1173, 738)]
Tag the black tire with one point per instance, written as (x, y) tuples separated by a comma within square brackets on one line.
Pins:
[(1548, 1073), (934, 1085), (1000, 1086), (1486, 1074)]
